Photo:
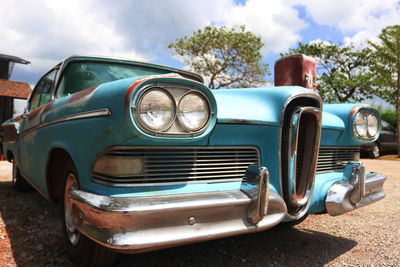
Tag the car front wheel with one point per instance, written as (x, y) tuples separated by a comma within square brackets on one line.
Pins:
[(81, 250), (374, 151)]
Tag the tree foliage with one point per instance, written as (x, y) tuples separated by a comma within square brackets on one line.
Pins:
[(388, 114), (386, 67), (343, 70), (228, 57)]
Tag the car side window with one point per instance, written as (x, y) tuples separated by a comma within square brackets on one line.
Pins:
[(42, 93)]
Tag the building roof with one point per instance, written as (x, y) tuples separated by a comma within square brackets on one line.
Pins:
[(15, 89), (14, 59)]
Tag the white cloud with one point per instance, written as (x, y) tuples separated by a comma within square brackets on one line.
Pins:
[(45, 31), (276, 22), (358, 20)]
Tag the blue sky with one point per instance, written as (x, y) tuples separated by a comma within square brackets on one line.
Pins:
[(46, 31)]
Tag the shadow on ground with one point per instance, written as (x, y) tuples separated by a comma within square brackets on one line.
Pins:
[(31, 230), (33, 227), (278, 246)]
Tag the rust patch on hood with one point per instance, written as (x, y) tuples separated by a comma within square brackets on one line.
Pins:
[(239, 122)]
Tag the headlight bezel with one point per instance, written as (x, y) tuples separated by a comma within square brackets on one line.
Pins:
[(174, 129), (368, 114)]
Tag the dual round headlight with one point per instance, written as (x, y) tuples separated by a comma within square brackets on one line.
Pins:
[(193, 111), (366, 125), (158, 110)]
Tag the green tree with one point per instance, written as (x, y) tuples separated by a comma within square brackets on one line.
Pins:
[(386, 67), (343, 70), (228, 57)]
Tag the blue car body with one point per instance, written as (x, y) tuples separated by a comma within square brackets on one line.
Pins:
[(102, 121)]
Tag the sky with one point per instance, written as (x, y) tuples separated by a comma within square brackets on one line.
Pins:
[(46, 31)]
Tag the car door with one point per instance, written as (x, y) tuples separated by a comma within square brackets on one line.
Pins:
[(388, 137), (30, 152)]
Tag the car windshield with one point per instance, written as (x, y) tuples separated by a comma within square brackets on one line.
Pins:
[(82, 75)]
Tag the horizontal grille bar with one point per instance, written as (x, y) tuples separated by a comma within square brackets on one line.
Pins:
[(331, 159), (182, 164)]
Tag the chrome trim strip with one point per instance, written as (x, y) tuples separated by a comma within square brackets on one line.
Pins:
[(340, 147), (78, 116), (166, 183)]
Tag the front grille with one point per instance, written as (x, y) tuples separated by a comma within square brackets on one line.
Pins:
[(331, 159), (164, 165), (305, 155), (300, 135)]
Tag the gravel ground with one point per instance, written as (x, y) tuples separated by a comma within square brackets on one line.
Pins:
[(30, 235)]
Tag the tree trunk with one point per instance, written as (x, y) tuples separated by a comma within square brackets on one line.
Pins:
[(397, 108), (397, 98)]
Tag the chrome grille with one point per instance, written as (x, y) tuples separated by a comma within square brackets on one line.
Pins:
[(300, 135), (183, 164), (332, 159)]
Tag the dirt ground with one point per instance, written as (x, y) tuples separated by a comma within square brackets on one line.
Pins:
[(30, 235)]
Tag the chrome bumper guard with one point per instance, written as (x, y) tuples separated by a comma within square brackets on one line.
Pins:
[(360, 189), (139, 224)]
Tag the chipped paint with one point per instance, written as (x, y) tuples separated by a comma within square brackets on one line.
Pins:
[(239, 122)]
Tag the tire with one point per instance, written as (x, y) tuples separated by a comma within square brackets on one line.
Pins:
[(375, 151), (294, 223), (18, 182), (80, 249)]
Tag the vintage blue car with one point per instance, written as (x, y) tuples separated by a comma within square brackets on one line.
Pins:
[(144, 157)]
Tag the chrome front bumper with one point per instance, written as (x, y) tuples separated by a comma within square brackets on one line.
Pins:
[(139, 224), (358, 190)]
